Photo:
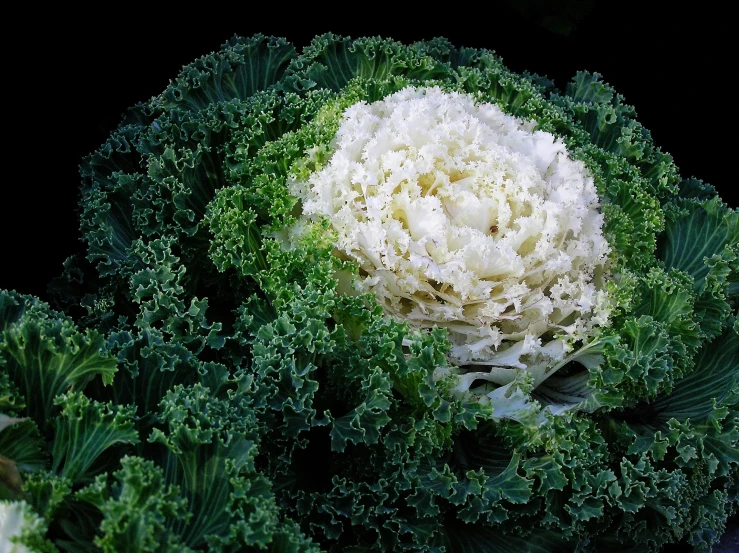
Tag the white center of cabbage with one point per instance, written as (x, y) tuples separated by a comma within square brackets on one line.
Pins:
[(463, 217)]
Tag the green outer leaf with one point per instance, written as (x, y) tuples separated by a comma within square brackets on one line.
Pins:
[(24, 445), (136, 509), (474, 538), (45, 355), (241, 68), (701, 233), (84, 430), (714, 379)]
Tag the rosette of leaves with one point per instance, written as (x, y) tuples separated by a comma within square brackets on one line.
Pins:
[(220, 372)]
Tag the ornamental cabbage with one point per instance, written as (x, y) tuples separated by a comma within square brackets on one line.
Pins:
[(377, 297), (20, 528)]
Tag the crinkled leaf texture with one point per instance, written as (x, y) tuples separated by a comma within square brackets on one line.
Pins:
[(207, 379)]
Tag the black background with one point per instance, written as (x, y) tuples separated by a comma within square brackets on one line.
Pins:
[(68, 78), (68, 85)]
